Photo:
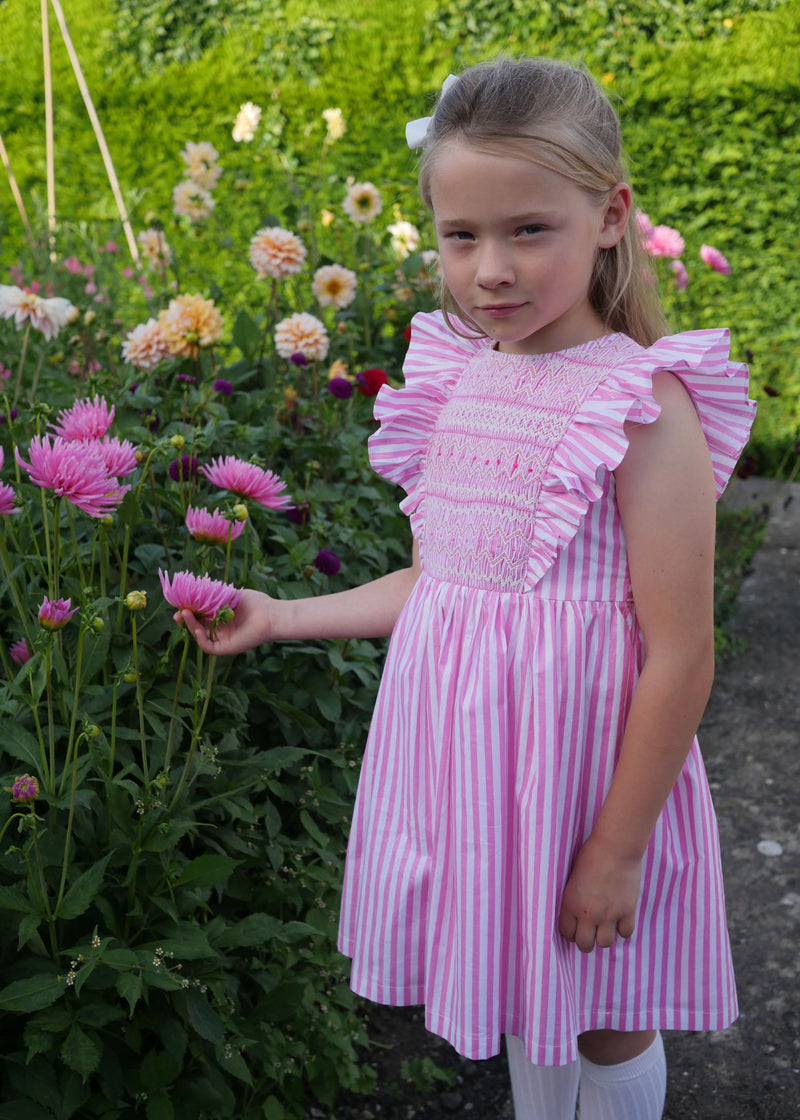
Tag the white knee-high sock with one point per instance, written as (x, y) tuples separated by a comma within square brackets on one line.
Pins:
[(541, 1092), (632, 1090)]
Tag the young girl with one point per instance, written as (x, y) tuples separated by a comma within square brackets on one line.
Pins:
[(534, 851)]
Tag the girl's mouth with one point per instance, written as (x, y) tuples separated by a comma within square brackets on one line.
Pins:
[(500, 310)]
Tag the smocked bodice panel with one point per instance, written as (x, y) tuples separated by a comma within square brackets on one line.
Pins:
[(491, 448)]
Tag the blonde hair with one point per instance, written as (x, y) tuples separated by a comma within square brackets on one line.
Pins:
[(556, 115)]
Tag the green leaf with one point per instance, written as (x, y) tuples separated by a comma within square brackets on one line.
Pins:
[(23, 1110), (313, 829), (130, 512), (246, 334), (255, 929), (27, 928), (233, 1062), (22, 745), (159, 1107), (81, 1052), (207, 871), (330, 704), (129, 986), (31, 994), (12, 899), (203, 1018), (79, 897), (273, 1109)]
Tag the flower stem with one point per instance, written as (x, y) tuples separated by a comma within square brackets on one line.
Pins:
[(140, 702), (75, 697), (15, 595), (198, 725), (178, 683)]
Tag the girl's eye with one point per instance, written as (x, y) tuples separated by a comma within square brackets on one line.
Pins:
[(461, 235), (531, 229)]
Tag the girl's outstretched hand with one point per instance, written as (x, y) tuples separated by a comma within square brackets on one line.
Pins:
[(250, 626), (599, 900)]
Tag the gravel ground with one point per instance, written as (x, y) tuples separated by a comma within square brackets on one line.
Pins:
[(750, 738)]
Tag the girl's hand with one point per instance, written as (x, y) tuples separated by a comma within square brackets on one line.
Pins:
[(600, 897), (251, 625)]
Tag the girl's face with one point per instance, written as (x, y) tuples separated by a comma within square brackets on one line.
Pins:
[(518, 244)]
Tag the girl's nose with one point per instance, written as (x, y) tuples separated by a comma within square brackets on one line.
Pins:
[(494, 268)]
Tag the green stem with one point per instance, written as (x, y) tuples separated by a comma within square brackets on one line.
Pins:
[(74, 716), (42, 749), (70, 819), (15, 595), (71, 517), (51, 730), (179, 682), (140, 703), (198, 727)]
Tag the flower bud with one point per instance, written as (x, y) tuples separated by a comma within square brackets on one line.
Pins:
[(89, 317), (25, 788), (98, 625), (92, 731), (241, 512), (129, 676), (136, 600), (177, 441), (225, 615)]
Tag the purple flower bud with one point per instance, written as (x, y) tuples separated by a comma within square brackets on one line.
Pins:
[(185, 467), (186, 378), (340, 387), (299, 514), (25, 788), (299, 359), (327, 562), (225, 388)]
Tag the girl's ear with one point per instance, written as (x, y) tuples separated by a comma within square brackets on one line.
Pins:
[(615, 216)]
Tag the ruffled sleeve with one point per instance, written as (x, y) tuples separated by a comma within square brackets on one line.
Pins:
[(435, 358), (596, 439)]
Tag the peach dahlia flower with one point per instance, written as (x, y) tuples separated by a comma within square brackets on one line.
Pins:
[(276, 252), (302, 334), (362, 202), (334, 286), (189, 324)]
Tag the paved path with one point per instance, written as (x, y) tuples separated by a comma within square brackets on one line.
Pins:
[(751, 743)]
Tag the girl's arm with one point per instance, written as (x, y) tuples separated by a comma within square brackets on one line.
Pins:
[(665, 493), (369, 611)]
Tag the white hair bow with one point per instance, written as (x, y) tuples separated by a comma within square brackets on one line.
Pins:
[(417, 130)]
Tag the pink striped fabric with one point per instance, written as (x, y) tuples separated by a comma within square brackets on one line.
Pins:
[(504, 698)]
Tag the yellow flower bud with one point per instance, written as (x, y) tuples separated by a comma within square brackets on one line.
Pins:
[(241, 512), (89, 317), (98, 624), (177, 441), (136, 600)]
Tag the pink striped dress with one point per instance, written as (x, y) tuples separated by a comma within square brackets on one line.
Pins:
[(504, 698)]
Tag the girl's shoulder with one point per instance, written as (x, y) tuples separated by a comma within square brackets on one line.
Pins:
[(717, 385)]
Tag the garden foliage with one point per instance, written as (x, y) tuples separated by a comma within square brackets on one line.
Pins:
[(173, 829)]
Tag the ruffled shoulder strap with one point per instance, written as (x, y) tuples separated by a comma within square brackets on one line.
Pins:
[(434, 360), (596, 438)]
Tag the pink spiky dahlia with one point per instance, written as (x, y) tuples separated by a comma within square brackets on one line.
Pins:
[(201, 595), (55, 613), (87, 419), (247, 480), (212, 526), (73, 470)]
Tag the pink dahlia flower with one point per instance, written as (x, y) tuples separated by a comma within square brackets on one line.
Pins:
[(714, 259), (679, 271), (55, 613), (73, 470), (87, 419), (202, 595), (277, 253), (664, 241), (8, 500), (247, 480), (119, 455), (19, 652), (25, 788), (205, 525)]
